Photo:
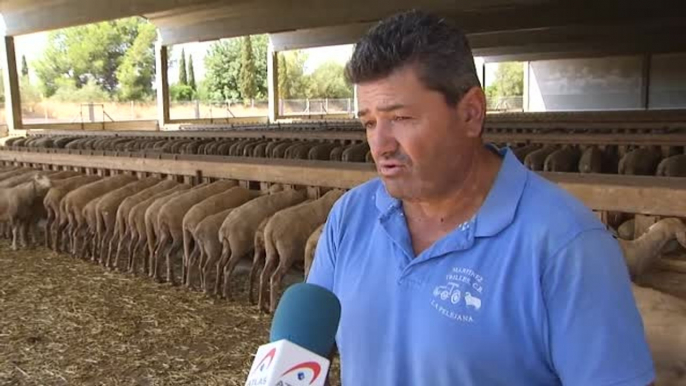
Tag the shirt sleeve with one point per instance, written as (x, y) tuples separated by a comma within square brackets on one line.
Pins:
[(595, 332), (323, 265)]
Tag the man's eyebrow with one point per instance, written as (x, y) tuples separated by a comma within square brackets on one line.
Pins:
[(388, 108)]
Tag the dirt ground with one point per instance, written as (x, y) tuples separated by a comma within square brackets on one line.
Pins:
[(64, 321)]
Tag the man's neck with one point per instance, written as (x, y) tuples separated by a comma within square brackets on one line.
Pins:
[(458, 205)]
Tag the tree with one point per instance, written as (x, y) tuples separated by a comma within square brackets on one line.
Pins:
[(248, 85), (292, 80), (137, 70), (191, 73), (183, 77), (223, 68), (509, 79), (86, 53), (328, 81), (24, 66)]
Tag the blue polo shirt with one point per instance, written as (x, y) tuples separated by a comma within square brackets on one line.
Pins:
[(533, 290)]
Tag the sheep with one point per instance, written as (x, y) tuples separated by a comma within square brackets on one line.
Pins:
[(626, 230), (563, 160), (231, 198), (52, 203), (88, 247), (77, 199), (121, 225), (355, 153), (170, 221), (258, 257), (674, 166), (321, 151), (206, 242), (285, 236), (237, 233), (106, 213), (17, 205), (136, 231), (151, 233), (664, 317), (311, 248), (536, 159), (591, 160), (641, 253), (641, 162), (522, 151)]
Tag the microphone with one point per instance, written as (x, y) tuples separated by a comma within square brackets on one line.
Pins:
[(302, 335)]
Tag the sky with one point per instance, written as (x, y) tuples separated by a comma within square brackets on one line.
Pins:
[(33, 46)]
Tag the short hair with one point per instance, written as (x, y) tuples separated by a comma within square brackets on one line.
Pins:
[(439, 50)]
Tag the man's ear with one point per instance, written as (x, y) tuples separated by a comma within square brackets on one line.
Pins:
[(472, 111)]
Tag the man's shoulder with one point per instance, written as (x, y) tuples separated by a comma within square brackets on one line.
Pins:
[(549, 206), (360, 196)]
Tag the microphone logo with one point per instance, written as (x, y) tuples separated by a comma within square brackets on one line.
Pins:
[(313, 367), (266, 360)]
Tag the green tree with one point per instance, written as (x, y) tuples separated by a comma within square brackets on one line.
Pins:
[(328, 81), (292, 80), (191, 73), (183, 77), (87, 53), (509, 79), (223, 68), (137, 70), (24, 66), (247, 84)]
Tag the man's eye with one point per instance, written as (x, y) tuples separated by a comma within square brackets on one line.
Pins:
[(399, 118), (369, 125)]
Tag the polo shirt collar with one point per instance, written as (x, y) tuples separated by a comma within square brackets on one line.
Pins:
[(499, 208)]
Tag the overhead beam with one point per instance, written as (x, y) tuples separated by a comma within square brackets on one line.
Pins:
[(318, 37), (25, 17)]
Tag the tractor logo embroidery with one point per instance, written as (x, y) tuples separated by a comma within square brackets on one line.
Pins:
[(460, 298)]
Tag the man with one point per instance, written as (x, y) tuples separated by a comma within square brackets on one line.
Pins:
[(459, 266)]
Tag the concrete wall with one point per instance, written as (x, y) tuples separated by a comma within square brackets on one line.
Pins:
[(585, 84), (612, 83), (667, 81)]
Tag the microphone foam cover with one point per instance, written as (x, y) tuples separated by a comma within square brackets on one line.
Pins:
[(307, 315)]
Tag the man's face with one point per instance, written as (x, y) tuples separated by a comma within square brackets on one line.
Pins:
[(421, 145)]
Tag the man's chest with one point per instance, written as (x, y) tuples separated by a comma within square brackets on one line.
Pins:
[(462, 311)]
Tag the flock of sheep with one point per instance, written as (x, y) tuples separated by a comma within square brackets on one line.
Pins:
[(124, 223), (150, 226), (238, 147), (554, 158)]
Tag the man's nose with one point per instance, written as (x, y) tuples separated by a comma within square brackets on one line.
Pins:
[(382, 141)]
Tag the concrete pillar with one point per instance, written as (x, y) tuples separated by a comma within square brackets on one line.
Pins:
[(356, 108), (11, 78), (273, 82), (525, 91), (162, 84)]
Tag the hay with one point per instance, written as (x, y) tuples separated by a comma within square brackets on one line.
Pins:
[(64, 321)]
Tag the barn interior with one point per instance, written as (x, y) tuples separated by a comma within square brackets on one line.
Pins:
[(606, 76)]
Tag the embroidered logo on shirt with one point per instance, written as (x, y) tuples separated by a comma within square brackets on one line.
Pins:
[(460, 298)]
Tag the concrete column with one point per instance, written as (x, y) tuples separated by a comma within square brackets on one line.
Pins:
[(273, 82), (356, 108), (11, 78), (525, 91), (162, 84)]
